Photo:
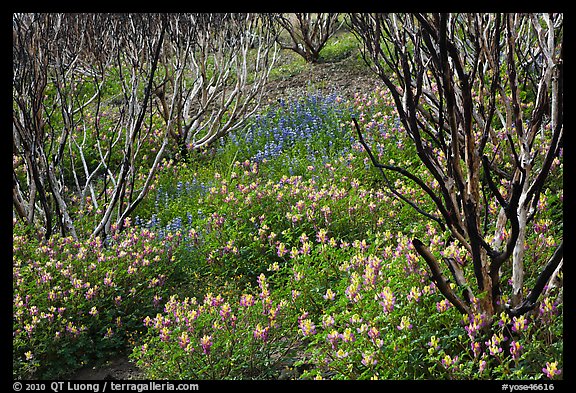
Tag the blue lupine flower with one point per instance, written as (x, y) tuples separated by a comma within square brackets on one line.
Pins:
[(313, 120)]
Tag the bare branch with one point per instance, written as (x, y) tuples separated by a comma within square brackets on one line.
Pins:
[(405, 173), (439, 279), (461, 83), (543, 278)]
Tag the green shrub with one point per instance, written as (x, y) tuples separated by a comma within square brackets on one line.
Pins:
[(78, 302), (217, 338), (282, 254), (333, 244)]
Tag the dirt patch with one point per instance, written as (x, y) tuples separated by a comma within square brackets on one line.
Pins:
[(120, 368), (345, 78)]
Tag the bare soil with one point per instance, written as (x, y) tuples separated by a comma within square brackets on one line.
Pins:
[(345, 78), (120, 368)]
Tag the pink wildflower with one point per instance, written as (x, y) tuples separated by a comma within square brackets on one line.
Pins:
[(551, 369), (515, 348), (206, 343), (261, 333)]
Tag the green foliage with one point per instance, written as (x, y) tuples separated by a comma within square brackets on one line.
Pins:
[(79, 302), (334, 246), (218, 338), (293, 64), (340, 46), (281, 254)]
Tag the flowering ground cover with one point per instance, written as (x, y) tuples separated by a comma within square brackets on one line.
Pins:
[(279, 252)]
